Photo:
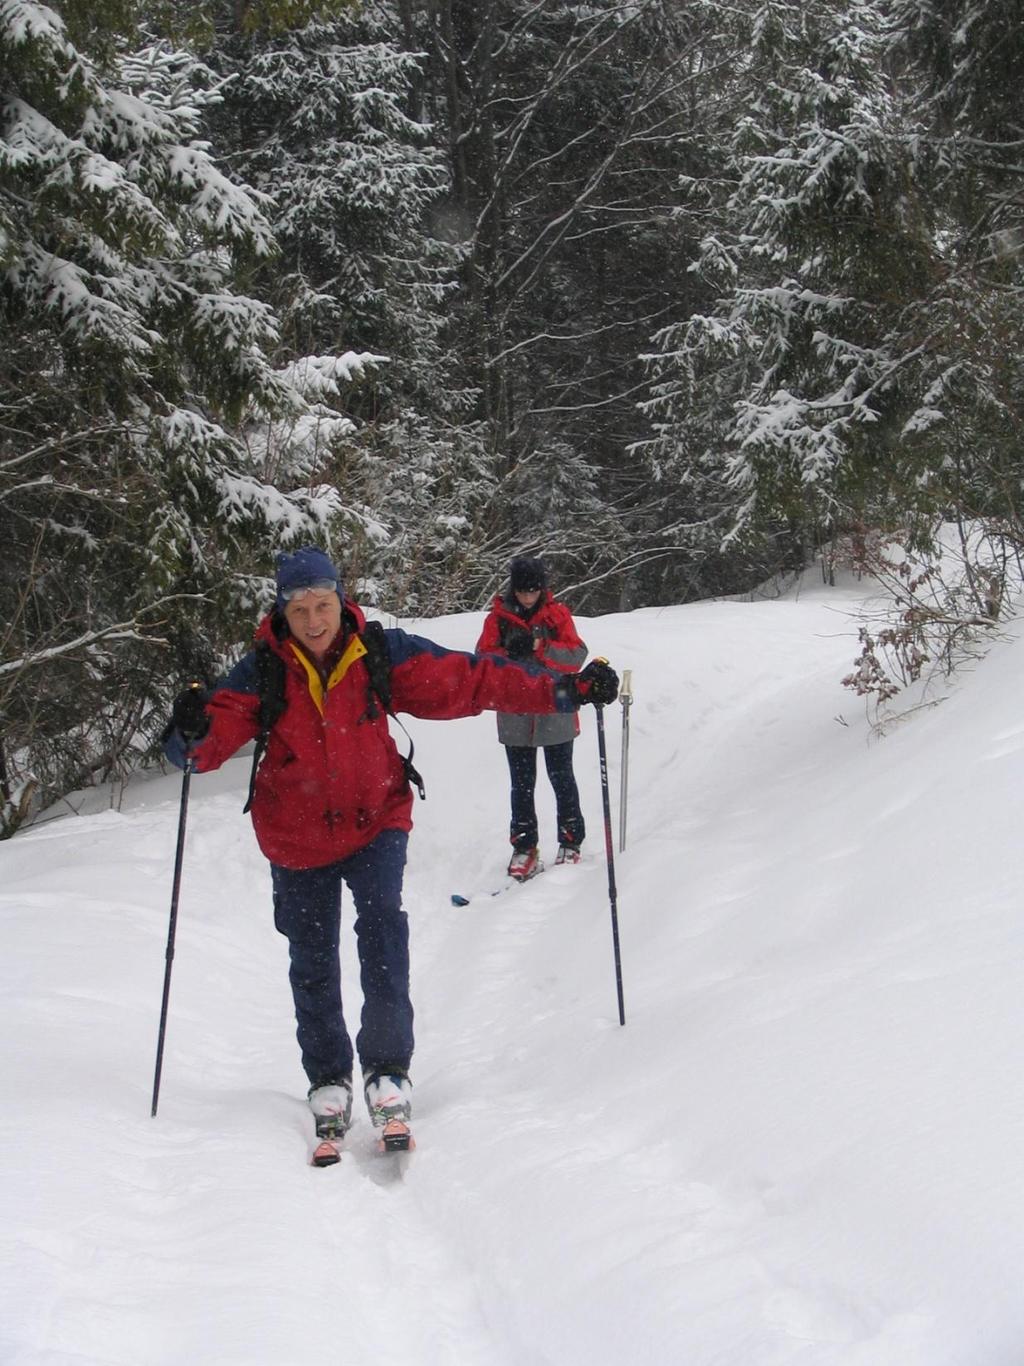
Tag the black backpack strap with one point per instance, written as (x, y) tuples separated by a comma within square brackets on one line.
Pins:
[(378, 666), (270, 686), (412, 775)]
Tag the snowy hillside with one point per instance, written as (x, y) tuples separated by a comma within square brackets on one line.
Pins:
[(804, 1147)]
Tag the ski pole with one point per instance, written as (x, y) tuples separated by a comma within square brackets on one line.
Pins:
[(626, 698), (610, 857), (178, 857)]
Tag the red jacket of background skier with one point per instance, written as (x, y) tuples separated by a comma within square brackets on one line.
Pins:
[(555, 641), (547, 635)]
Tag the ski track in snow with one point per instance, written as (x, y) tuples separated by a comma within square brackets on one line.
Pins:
[(802, 1150)]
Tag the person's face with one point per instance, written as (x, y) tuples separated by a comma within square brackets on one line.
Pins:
[(314, 619), (527, 599)]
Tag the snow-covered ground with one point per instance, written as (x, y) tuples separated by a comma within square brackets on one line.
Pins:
[(804, 1147)]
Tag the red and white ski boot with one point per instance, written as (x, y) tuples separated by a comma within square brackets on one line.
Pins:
[(524, 864)]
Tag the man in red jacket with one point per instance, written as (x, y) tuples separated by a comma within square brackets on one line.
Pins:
[(331, 803)]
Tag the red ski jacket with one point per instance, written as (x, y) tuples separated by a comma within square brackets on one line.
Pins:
[(332, 777), (549, 637)]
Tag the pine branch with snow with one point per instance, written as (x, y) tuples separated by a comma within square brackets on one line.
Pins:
[(135, 368)]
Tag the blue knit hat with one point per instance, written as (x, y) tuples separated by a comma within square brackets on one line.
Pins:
[(303, 569)]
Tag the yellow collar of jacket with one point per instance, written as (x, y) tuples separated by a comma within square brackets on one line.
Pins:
[(355, 650)]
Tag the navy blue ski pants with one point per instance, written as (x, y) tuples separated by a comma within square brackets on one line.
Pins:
[(307, 910), (522, 765)]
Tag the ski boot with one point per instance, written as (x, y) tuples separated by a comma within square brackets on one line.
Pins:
[(569, 841), (389, 1101), (331, 1104), (524, 864)]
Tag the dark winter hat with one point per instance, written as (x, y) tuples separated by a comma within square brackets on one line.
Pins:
[(526, 575), (305, 568)]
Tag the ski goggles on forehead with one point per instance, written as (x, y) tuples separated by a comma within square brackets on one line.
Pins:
[(303, 590)]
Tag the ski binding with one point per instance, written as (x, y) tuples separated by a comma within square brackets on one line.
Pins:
[(326, 1153), (396, 1137)]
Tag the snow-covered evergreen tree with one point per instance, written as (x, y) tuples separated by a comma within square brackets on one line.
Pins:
[(131, 365), (861, 360), (317, 120), (318, 112), (962, 65), (566, 128), (781, 403)]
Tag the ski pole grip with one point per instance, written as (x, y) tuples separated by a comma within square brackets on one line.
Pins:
[(599, 659), (626, 689)]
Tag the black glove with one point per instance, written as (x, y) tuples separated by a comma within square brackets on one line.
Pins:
[(188, 715), (520, 645), (598, 683)]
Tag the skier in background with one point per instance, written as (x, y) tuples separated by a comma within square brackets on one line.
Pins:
[(331, 802), (526, 623)]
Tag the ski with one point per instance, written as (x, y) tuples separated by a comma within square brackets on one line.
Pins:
[(459, 900), (326, 1153), (396, 1137)]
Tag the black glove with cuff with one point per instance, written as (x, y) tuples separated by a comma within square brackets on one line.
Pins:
[(188, 715), (597, 683)]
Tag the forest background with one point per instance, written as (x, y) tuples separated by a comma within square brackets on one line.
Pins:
[(677, 294)]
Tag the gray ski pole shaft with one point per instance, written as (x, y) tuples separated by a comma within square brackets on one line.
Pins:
[(626, 698), (612, 895), (171, 931)]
